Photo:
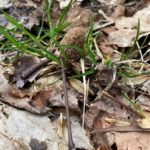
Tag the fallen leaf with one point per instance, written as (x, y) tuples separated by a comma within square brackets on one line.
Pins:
[(21, 65), (104, 77), (146, 86), (145, 122), (63, 3), (119, 11), (136, 80), (23, 130), (28, 13), (21, 103), (129, 140), (117, 122), (80, 17), (122, 37), (132, 22), (77, 84)]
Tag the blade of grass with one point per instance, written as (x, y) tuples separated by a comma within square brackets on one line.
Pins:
[(88, 72), (135, 106), (136, 38), (48, 5), (64, 13), (9, 37), (26, 48), (19, 26), (89, 44)]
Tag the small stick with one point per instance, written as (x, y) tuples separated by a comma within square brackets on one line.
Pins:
[(70, 139), (122, 129)]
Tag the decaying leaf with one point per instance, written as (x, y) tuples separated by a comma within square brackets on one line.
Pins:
[(145, 122), (77, 84), (117, 122), (126, 26), (132, 22), (119, 11), (8, 97), (122, 37), (63, 3), (23, 130), (46, 93), (78, 16), (129, 140), (23, 64), (137, 80)]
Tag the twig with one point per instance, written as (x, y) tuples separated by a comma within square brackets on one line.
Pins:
[(70, 139), (123, 129)]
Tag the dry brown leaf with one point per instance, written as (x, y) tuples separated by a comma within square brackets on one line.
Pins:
[(145, 122), (41, 100), (28, 13), (136, 80), (117, 122), (119, 11), (107, 108), (132, 22), (129, 140), (7, 97), (20, 130), (77, 84), (20, 93), (127, 28), (106, 50), (122, 37), (63, 3), (78, 16), (40, 96), (22, 64)]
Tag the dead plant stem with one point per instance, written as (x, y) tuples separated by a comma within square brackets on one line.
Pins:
[(70, 139)]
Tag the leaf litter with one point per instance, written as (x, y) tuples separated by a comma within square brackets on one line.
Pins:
[(116, 110)]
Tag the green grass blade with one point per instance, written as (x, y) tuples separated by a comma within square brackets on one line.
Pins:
[(88, 72), (19, 26), (136, 38), (64, 13), (9, 37), (89, 44), (26, 49), (48, 5)]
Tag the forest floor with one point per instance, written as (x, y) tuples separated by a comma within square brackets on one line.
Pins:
[(75, 75)]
